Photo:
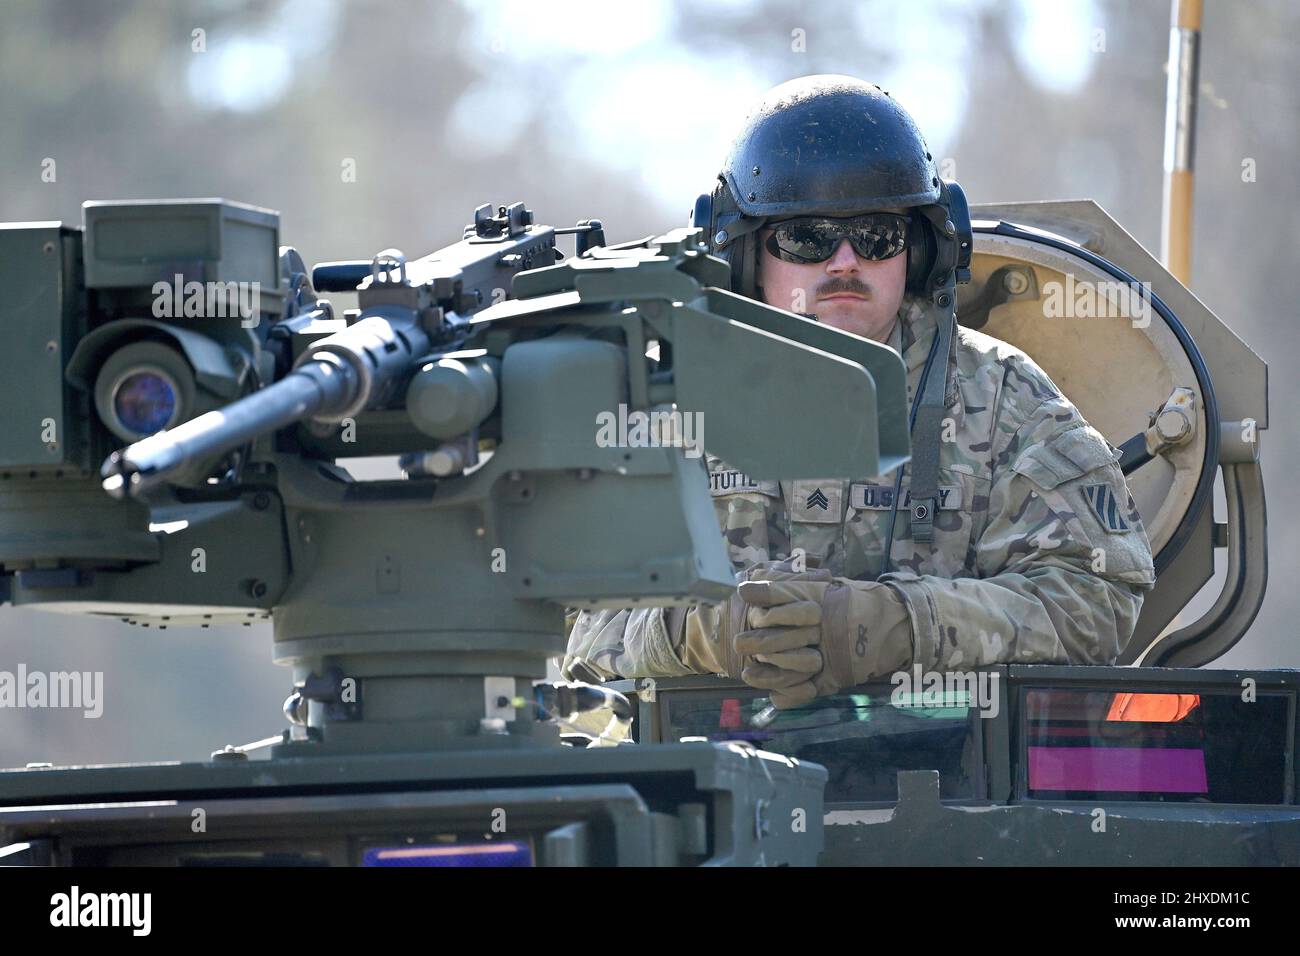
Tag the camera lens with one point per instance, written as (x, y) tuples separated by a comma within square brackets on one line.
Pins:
[(145, 402)]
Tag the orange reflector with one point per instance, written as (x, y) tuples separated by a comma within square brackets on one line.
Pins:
[(1153, 708)]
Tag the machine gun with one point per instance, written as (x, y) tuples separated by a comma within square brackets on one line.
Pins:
[(416, 614), (408, 311)]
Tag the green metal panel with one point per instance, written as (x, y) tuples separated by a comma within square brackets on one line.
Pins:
[(135, 244), (38, 270)]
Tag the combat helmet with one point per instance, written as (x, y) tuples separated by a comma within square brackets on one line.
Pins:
[(832, 145)]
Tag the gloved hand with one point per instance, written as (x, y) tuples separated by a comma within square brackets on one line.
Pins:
[(810, 638), (707, 635), (664, 642)]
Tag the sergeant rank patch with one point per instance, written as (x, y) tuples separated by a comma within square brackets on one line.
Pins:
[(817, 502), (1105, 506)]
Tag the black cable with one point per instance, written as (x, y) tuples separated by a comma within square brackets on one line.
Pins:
[(911, 425)]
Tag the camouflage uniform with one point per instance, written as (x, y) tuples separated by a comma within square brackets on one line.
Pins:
[(1038, 552)]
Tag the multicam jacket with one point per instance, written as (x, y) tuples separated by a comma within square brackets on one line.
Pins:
[(1038, 551)]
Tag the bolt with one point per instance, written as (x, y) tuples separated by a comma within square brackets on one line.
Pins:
[(721, 237), (1172, 425), (1015, 282), (261, 501)]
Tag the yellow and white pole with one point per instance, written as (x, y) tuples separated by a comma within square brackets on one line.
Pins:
[(1180, 138)]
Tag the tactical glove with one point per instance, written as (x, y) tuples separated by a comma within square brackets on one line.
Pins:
[(810, 638), (666, 642), (707, 635)]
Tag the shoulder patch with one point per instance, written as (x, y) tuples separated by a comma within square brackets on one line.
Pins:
[(1105, 507)]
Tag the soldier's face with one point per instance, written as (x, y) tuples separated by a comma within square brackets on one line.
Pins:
[(846, 291)]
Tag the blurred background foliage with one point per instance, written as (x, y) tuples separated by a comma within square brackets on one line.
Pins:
[(622, 111)]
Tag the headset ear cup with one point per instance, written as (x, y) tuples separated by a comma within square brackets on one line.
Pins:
[(920, 254)]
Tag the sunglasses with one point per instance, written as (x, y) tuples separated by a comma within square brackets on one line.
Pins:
[(875, 236)]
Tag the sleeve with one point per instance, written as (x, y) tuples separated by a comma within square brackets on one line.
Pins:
[(751, 514), (1063, 560), (623, 642)]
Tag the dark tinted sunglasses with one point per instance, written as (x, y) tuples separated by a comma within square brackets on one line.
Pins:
[(875, 236)]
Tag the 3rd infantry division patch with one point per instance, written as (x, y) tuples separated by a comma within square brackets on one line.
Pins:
[(1101, 498)]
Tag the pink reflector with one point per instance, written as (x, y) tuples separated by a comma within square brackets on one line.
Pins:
[(1118, 769)]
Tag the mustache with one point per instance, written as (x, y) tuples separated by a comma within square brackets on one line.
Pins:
[(838, 284)]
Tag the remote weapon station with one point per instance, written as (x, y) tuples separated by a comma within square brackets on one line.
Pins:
[(180, 399)]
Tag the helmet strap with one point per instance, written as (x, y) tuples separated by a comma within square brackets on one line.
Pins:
[(927, 432)]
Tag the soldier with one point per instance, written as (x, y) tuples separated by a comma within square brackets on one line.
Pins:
[(1011, 535)]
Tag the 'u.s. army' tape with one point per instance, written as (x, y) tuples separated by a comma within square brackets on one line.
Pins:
[(867, 497)]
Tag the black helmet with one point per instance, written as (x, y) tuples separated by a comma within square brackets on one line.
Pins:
[(833, 145)]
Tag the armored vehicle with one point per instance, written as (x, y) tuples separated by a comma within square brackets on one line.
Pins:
[(416, 615)]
